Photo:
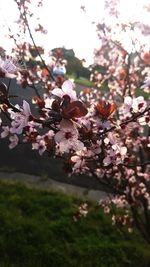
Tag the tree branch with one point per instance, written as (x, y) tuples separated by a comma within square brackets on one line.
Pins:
[(125, 122), (31, 36)]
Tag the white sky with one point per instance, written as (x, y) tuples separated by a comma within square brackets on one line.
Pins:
[(66, 23)]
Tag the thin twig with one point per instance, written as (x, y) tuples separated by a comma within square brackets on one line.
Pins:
[(35, 89), (31, 36), (125, 122), (8, 87)]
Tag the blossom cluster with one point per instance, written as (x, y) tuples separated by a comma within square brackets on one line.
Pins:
[(100, 133), (93, 136)]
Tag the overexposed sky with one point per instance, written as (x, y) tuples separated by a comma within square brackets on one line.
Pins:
[(66, 23)]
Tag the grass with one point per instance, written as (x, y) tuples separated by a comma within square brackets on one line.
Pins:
[(84, 82), (140, 92), (37, 230), (8, 169), (81, 81)]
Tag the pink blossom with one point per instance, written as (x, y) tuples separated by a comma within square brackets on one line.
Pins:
[(20, 119), (50, 134), (116, 153), (110, 157), (96, 148), (83, 209), (146, 83), (67, 89), (102, 124), (128, 101), (13, 141), (79, 160), (8, 67), (115, 145), (106, 210), (121, 150), (145, 120), (133, 104), (5, 132), (126, 108), (110, 139), (67, 137), (39, 145), (139, 104), (119, 201)]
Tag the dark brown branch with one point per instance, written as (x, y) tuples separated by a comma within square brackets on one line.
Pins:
[(8, 87), (31, 36), (35, 89), (126, 122), (44, 123)]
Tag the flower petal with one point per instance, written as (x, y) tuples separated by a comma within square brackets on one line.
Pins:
[(26, 108), (67, 86)]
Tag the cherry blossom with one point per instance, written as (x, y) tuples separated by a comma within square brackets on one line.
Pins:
[(139, 104), (41, 142), (13, 141), (133, 105), (7, 68), (81, 212), (20, 119), (67, 89), (5, 132), (116, 148), (67, 137), (146, 84), (103, 133), (40, 145), (79, 160)]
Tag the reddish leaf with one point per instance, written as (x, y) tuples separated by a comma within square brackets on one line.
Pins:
[(105, 109), (75, 109)]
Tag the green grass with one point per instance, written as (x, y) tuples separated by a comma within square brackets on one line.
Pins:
[(8, 169), (37, 230), (84, 82), (140, 92), (81, 81)]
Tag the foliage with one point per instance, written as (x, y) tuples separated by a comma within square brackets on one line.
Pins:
[(37, 229)]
